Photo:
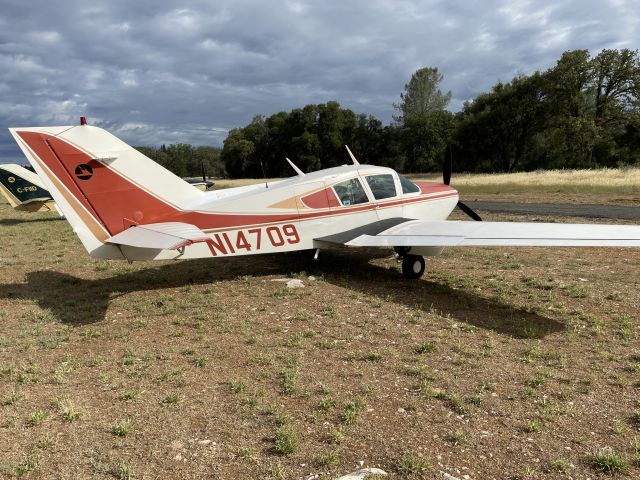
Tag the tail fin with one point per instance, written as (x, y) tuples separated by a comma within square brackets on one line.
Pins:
[(101, 184), (23, 189)]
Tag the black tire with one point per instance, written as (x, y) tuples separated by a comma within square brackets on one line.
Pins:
[(412, 266)]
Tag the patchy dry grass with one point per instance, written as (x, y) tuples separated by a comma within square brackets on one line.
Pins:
[(624, 181), (210, 369)]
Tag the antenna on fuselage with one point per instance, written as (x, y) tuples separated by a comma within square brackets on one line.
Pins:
[(293, 165), (264, 174), (353, 158)]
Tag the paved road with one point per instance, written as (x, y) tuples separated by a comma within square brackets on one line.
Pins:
[(620, 212)]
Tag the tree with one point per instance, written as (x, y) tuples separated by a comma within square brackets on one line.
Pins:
[(424, 139), (616, 81), (497, 128), (421, 96), (236, 153)]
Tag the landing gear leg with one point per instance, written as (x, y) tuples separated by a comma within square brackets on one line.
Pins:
[(412, 266)]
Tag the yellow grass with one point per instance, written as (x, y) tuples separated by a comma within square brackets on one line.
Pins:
[(607, 180)]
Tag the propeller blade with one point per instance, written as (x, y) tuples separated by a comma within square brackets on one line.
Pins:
[(204, 174), (447, 165), (469, 212)]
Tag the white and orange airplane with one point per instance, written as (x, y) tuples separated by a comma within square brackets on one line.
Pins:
[(123, 205)]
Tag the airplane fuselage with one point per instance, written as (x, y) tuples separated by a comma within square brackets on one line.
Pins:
[(294, 214)]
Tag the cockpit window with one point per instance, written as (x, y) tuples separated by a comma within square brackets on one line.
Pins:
[(350, 192), (408, 186), (382, 186)]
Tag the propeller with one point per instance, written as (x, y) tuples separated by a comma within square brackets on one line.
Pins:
[(204, 173), (446, 179)]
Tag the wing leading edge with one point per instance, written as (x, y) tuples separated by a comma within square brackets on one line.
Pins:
[(448, 233)]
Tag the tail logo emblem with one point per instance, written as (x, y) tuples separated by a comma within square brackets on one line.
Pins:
[(84, 171), (11, 179)]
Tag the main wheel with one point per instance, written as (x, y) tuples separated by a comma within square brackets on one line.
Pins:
[(412, 266)]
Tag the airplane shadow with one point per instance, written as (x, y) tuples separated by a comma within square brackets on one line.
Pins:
[(432, 296), (77, 301)]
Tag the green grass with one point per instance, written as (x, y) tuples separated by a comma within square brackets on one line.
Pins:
[(10, 399), (411, 465), (327, 403), (352, 411), (559, 466), (123, 471), (29, 464), (237, 386), (533, 426), (286, 440), (608, 461), (36, 418), (326, 460), (426, 347), (172, 399), (68, 410), (121, 429), (337, 435)]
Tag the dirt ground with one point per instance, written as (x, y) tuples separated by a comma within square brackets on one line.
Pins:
[(497, 364)]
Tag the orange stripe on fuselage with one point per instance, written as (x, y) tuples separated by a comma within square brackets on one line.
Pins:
[(109, 199)]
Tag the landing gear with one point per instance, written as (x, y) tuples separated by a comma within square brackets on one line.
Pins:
[(412, 266)]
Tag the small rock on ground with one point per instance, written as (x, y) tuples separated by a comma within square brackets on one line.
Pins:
[(295, 283), (362, 473)]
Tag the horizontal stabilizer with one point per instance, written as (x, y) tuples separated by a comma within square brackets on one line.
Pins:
[(161, 236), (418, 233)]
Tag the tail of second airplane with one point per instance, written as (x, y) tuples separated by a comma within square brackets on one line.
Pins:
[(101, 184), (23, 189)]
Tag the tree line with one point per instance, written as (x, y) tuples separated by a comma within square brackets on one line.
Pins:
[(186, 160), (582, 113)]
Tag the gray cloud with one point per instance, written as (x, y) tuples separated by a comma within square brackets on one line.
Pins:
[(164, 72)]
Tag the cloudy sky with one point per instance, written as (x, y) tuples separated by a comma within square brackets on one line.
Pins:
[(165, 72)]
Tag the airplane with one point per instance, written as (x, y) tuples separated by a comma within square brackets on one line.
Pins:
[(23, 189), (123, 205)]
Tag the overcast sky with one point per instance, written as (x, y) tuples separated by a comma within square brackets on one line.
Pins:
[(157, 72)]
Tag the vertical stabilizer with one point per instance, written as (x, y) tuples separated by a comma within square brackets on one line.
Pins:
[(101, 184)]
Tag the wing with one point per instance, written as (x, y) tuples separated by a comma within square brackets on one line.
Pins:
[(371, 229), (419, 233), (163, 236)]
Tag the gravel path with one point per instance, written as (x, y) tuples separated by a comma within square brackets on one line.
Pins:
[(562, 209)]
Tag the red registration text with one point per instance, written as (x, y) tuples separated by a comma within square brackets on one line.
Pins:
[(252, 239)]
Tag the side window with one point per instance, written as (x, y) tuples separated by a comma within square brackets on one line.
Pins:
[(350, 192), (408, 186), (382, 186)]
